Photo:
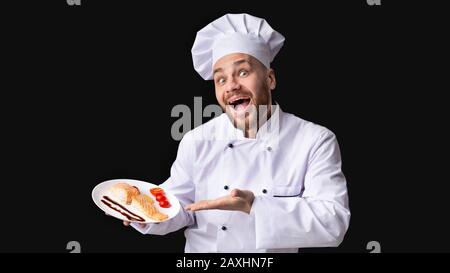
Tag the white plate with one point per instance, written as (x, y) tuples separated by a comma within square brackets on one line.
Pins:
[(144, 187)]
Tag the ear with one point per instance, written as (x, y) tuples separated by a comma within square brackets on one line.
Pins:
[(271, 80)]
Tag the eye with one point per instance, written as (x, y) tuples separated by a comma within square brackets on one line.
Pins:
[(220, 81), (243, 73)]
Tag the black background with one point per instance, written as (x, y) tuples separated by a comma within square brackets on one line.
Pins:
[(87, 93)]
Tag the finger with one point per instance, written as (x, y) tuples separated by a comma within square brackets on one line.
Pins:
[(126, 223), (241, 193), (236, 193)]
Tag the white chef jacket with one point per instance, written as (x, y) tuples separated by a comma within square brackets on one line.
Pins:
[(292, 166)]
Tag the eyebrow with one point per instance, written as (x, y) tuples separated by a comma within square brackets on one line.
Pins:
[(236, 63), (240, 62)]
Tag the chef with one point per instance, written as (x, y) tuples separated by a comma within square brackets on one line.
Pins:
[(254, 179)]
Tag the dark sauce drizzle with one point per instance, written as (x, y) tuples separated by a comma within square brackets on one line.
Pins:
[(130, 215)]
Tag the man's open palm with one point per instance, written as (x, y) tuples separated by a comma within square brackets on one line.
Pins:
[(240, 200)]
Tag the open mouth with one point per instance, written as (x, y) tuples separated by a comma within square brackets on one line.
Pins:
[(240, 104)]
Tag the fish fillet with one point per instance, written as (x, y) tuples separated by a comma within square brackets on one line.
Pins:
[(144, 203), (124, 192)]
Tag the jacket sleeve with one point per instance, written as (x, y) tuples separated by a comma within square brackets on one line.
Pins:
[(181, 185), (318, 218)]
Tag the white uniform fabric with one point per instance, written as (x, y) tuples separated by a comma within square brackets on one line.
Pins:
[(234, 33), (295, 173)]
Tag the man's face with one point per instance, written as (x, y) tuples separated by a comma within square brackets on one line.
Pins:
[(243, 84)]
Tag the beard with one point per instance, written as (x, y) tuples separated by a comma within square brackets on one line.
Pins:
[(249, 116)]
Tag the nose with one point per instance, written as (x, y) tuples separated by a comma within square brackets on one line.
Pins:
[(233, 85)]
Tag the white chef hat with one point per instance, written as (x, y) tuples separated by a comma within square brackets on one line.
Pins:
[(234, 33)]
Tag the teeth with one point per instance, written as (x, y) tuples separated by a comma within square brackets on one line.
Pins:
[(234, 100)]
